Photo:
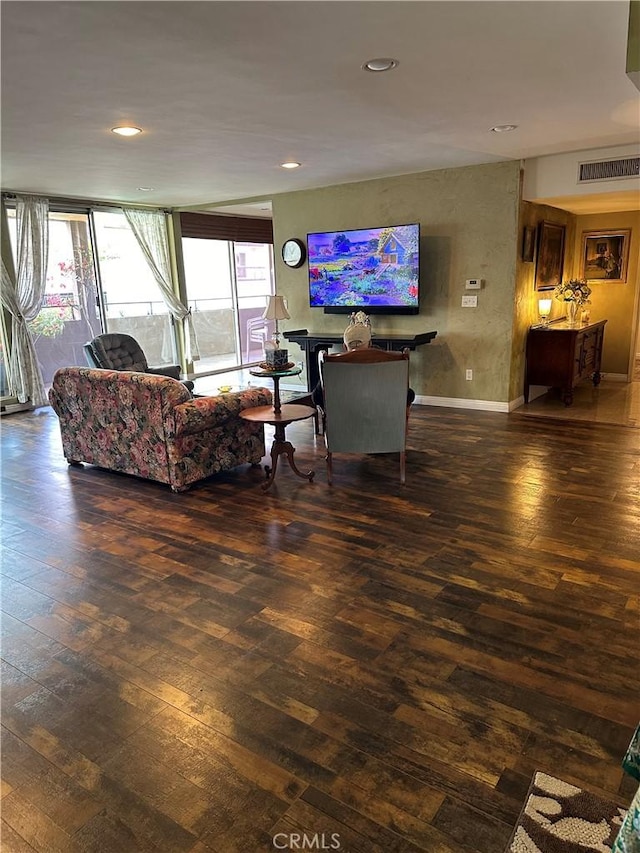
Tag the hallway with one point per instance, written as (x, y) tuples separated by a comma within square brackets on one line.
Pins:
[(610, 403)]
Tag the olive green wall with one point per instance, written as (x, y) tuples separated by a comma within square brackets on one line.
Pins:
[(617, 303), (469, 225)]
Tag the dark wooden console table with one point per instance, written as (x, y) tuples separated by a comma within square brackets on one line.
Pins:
[(560, 355), (312, 342)]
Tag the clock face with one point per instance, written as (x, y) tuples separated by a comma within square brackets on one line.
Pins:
[(293, 253)]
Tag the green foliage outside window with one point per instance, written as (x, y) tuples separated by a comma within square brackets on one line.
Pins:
[(49, 323)]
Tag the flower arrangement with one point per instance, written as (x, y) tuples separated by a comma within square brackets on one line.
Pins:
[(576, 290)]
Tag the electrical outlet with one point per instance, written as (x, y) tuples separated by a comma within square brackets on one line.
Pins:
[(468, 374)]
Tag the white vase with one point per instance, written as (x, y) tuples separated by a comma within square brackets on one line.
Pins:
[(572, 313)]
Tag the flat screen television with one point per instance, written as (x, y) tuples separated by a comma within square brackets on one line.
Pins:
[(375, 270)]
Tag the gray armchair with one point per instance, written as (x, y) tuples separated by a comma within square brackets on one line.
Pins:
[(365, 403), (117, 351)]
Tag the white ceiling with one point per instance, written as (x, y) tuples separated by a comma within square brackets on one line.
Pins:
[(226, 91)]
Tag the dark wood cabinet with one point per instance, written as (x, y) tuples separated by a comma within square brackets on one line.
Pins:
[(561, 355)]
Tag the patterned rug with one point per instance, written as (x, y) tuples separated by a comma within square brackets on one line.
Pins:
[(560, 818)]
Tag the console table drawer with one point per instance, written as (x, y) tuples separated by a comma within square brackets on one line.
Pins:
[(561, 355)]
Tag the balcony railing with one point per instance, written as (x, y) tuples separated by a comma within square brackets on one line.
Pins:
[(149, 308)]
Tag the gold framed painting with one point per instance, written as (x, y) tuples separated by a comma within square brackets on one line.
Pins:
[(550, 255), (528, 243), (605, 255)]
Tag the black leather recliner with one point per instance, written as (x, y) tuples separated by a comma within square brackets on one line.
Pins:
[(116, 351)]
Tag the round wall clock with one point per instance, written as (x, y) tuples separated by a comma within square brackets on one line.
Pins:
[(293, 253)]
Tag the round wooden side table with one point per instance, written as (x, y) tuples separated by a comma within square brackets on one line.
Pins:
[(280, 420)]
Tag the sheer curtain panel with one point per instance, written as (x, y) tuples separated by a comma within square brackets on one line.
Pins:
[(150, 229), (23, 295)]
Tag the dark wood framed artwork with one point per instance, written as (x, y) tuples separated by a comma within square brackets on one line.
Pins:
[(605, 255), (528, 243), (550, 255)]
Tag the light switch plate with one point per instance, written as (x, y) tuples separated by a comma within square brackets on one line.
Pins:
[(469, 301)]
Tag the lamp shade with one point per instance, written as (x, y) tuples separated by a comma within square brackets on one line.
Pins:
[(544, 307), (276, 309)]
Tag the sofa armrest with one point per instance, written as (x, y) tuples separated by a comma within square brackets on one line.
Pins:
[(203, 413)]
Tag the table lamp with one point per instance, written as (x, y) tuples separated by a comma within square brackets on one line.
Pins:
[(276, 310), (544, 309)]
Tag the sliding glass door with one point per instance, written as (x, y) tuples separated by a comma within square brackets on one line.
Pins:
[(228, 285), (255, 284), (131, 299), (97, 280), (69, 315)]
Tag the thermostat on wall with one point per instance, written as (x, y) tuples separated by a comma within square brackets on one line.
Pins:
[(474, 283)]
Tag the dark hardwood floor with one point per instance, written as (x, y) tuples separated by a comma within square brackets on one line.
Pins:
[(387, 665)]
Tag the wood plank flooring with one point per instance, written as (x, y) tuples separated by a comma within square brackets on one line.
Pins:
[(227, 670)]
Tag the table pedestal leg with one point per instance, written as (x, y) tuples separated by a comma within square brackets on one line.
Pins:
[(279, 447), (276, 395)]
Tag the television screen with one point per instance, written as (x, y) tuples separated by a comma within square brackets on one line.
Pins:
[(371, 269)]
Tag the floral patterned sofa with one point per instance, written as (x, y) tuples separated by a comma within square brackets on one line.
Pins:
[(150, 426)]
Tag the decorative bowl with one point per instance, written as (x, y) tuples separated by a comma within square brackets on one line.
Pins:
[(271, 369)]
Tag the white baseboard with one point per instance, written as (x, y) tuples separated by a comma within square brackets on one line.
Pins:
[(10, 408), (461, 403), (615, 377), (535, 391)]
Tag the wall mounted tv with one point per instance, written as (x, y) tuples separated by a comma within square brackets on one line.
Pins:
[(375, 270)]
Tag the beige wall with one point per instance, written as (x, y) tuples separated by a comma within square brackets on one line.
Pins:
[(469, 225), (617, 303)]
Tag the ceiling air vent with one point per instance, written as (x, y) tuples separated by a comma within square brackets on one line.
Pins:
[(607, 170)]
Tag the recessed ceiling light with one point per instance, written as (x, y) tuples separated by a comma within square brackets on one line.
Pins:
[(126, 130), (382, 64), (145, 189), (291, 164), (504, 128)]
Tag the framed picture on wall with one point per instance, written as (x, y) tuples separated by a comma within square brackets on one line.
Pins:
[(605, 255), (550, 255), (528, 243)]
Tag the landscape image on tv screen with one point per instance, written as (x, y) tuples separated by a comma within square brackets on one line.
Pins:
[(368, 267)]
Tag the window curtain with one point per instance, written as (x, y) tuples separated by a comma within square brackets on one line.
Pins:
[(23, 296), (150, 229)]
